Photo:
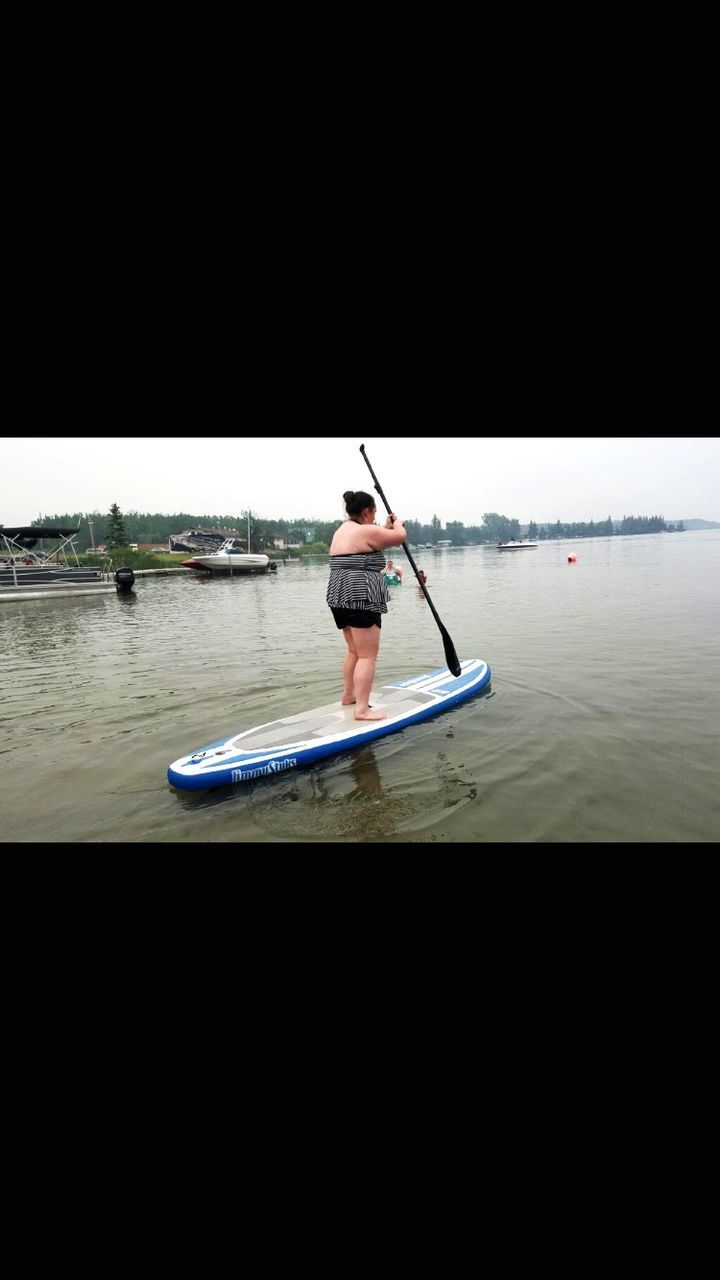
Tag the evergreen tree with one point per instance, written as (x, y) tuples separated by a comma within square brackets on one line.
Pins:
[(116, 536)]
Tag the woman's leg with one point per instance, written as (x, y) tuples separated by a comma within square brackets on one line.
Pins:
[(348, 669), (366, 642)]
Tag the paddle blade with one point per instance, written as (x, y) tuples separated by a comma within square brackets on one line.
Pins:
[(450, 655)]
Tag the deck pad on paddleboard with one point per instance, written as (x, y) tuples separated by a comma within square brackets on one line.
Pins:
[(297, 740)]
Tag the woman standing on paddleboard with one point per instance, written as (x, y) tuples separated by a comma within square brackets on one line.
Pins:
[(357, 595)]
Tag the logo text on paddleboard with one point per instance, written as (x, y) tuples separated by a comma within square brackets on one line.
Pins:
[(273, 766)]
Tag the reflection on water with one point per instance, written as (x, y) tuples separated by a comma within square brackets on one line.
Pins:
[(364, 769), (601, 724)]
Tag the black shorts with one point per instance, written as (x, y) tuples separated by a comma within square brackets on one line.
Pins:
[(355, 618)]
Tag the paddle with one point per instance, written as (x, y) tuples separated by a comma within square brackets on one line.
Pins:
[(450, 655)]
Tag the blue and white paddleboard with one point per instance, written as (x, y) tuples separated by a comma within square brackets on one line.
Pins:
[(295, 741)]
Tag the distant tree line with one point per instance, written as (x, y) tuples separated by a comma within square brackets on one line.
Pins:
[(119, 528), (648, 524), (115, 528), (603, 528)]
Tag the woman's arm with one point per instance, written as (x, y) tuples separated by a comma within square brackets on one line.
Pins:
[(387, 537)]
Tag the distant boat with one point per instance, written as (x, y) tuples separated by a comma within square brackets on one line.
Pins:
[(229, 558), (514, 544)]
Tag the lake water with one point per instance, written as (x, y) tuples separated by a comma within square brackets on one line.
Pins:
[(602, 721)]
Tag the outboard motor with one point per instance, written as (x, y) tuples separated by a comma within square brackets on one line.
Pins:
[(124, 579)]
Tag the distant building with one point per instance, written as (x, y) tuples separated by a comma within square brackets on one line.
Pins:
[(201, 539)]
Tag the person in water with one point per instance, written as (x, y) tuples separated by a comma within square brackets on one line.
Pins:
[(422, 575), (395, 569), (357, 595)]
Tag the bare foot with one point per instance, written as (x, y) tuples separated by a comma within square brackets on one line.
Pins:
[(347, 702), (369, 715)]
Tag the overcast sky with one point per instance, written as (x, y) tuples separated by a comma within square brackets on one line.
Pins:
[(455, 478)]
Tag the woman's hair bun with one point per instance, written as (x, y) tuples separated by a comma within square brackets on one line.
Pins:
[(348, 496)]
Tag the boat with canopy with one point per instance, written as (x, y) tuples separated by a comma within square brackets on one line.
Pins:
[(29, 572)]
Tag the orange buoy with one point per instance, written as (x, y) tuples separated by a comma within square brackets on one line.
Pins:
[(572, 559)]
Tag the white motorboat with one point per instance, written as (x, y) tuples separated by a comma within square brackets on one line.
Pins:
[(515, 544), (230, 558)]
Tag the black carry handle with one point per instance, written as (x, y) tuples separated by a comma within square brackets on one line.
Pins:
[(450, 655)]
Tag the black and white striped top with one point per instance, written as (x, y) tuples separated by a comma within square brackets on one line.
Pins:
[(357, 581)]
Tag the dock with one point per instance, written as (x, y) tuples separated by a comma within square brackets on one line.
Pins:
[(51, 590), (147, 573)]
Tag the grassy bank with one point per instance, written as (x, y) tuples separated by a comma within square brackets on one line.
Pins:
[(133, 559)]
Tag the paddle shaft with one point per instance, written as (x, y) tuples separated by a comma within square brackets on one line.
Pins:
[(450, 654)]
